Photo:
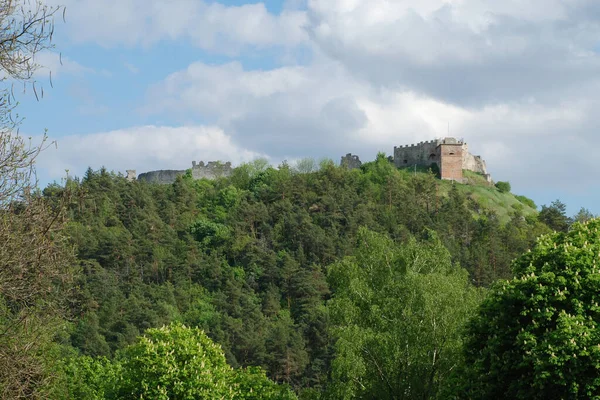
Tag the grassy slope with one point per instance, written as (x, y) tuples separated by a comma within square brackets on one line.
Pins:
[(486, 196)]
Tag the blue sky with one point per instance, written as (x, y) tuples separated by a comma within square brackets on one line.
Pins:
[(154, 85)]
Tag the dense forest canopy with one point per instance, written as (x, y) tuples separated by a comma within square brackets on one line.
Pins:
[(330, 283), (258, 261), (304, 282)]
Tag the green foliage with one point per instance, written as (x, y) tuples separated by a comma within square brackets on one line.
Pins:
[(243, 258), (536, 335), (435, 169), (555, 216), (88, 378), (583, 215), (172, 362), (209, 232), (397, 314), (527, 201), (306, 165), (503, 187)]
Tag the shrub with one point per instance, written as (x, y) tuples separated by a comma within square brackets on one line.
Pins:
[(503, 187), (527, 201), (537, 336)]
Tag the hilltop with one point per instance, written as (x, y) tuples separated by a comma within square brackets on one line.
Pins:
[(246, 257), (483, 195)]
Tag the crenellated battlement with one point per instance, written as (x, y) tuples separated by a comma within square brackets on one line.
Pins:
[(451, 155), (200, 170), (350, 161)]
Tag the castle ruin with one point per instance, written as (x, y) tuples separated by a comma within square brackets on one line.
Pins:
[(449, 154), (200, 170), (350, 161), (130, 175)]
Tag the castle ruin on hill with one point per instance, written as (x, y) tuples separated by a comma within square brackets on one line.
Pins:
[(210, 170), (451, 156), (350, 161)]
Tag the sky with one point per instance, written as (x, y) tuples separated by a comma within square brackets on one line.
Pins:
[(154, 84)]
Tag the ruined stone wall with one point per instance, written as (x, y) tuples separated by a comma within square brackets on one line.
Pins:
[(424, 153), (473, 163), (164, 176), (451, 165), (350, 161), (212, 170), (130, 175)]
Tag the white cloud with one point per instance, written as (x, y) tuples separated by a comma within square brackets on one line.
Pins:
[(517, 79), (322, 110), (286, 111), (142, 148), (471, 52), (209, 25), (55, 63)]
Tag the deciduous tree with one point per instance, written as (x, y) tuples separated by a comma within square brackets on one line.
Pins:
[(397, 313), (536, 336)]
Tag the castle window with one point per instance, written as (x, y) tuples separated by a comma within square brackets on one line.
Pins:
[(405, 161), (432, 156), (451, 154)]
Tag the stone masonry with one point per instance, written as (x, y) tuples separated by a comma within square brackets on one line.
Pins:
[(449, 154), (200, 170), (350, 161), (130, 175)]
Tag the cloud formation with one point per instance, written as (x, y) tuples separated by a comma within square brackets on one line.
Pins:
[(142, 148), (208, 25), (518, 80), (321, 110), (56, 64), (468, 52)]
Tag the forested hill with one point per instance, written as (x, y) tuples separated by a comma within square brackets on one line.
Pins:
[(245, 257)]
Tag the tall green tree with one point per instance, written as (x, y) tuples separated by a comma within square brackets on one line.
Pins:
[(555, 216), (397, 312), (536, 336), (35, 259), (174, 362)]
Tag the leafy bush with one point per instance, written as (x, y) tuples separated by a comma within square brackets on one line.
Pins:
[(209, 232), (397, 314), (537, 336), (172, 362), (527, 201), (503, 187)]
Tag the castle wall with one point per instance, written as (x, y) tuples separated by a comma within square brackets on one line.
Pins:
[(350, 161), (212, 170), (474, 163), (424, 153), (451, 165), (165, 176), (130, 175)]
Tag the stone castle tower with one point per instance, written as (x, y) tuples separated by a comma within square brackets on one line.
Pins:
[(449, 154)]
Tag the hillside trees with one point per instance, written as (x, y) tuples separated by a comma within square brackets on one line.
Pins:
[(555, 216), (245, 258), (35, 258), (172, 362), (397, 314), (536, 335)]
